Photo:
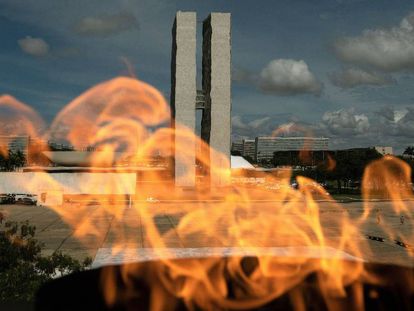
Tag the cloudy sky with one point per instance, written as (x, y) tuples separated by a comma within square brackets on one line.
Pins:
[(342, 69)]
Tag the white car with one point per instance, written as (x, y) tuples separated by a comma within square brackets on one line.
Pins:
[(29, 199), (152, 200)]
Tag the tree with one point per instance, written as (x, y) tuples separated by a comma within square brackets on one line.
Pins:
[(350, 165), (409, 151), (12, 161), (22, 268), (410, 162)]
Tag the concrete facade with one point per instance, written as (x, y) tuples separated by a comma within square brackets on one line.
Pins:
[(183, 94), (216, 124), (214, 98)]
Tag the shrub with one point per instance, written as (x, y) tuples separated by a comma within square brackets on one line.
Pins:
[(22, 268)]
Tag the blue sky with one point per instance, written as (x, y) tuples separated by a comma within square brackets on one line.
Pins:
[(343, 69)]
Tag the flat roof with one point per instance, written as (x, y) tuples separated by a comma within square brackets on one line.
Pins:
[(80, 169), (238, 162)]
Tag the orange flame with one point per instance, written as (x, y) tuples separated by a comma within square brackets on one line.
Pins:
[(17, 118), (122, 119)]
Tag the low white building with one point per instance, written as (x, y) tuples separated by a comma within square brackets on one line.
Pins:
[(53, 186), (238, 162), (384, 150)]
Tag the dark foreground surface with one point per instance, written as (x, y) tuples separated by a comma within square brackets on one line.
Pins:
[(83, 291)]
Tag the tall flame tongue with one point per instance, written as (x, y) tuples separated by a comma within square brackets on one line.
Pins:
[(290, 237), (17, 118)]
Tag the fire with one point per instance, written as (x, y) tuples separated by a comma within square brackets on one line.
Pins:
[(125, 119), (390, 178), (17, 118)]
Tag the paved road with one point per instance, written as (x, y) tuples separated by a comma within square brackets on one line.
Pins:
[(108, 227)]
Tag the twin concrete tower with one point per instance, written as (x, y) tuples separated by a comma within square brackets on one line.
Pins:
[(214, 99)]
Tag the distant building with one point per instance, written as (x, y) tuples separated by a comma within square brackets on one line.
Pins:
[(384, 150), (14, 143), (245, 148), (249, 148), (54, 146), (237, 147), (267, 146)]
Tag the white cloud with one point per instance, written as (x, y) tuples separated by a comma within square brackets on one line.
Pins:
[(237, 123), (392, 122), (106, 25), (353, 77), (286, 127), (387, 113), (405, 124), (34, 46), (399, 114), (408, 22), (388, 50), (258, 123), (253, 127), (345, 122), (389, 126), (293, 129), (288, 77)]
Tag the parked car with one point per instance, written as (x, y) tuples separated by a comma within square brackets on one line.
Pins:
[(28, 199), (7, 198), (152, 200), (294, 185)]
